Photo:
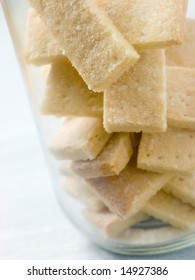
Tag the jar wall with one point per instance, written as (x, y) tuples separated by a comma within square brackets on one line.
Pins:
[(149, 236)]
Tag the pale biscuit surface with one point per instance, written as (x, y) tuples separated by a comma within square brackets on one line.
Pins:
[(184, 54), (90, 40), (40, 47), (137, 100), (79, 138), (111, 161), (171, 210), (127, 193), (148, 23), (172, 151), (181, 97), (110, 223), (68, 95), (182, 187)]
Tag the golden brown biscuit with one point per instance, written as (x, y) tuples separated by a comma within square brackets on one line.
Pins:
[(184, 54), (171, 210), (182, 187), (181, 97), (40, 47), (94, 46), (68, 95), (172, 151), (137, 100), (148, 24), (127, 193), (111, 161), (110, 223), (79, 138)]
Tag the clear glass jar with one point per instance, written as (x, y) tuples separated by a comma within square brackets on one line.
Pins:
[(145, 238)]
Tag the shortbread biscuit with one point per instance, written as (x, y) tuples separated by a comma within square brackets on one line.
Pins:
[(90, 40), (80, 190), (40, 47), (184, 54), (127, 193), (111, 161), (68, 95), (172, 151), (110, 223), (181, 97), (79, 138), (171, 210), (137, 100), (148, 24), (182, 187)]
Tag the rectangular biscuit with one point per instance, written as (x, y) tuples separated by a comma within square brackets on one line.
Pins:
[(137, 100), (172, 151), (80, 190), (79, 138), (127, 193), (67, 94), (182, 187), (148, 24), (110, 223), (181, 97), (184, 54), (90, 40), (171, 210), (111, 160), (40, 46)]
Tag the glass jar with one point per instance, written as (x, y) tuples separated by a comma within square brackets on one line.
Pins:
[(146, 237)]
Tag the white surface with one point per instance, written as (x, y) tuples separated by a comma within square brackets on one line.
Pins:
[(32, 225)]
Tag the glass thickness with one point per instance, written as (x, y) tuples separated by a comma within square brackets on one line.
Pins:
[(146, 238)]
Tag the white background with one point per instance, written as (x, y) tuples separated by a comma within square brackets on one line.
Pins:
[(32, 225)]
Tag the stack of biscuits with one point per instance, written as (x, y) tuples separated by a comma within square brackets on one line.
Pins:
[(121, 76)]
